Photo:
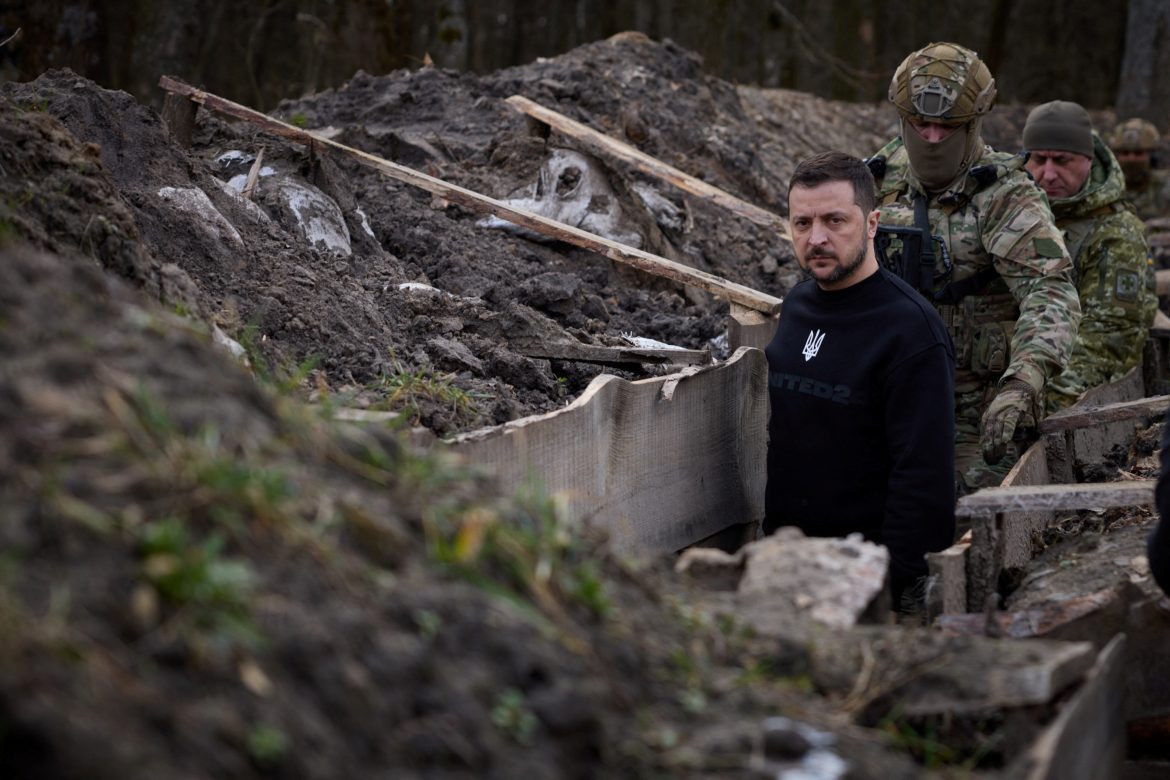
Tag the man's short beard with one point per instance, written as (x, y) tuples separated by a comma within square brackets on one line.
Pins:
[(843, 270)]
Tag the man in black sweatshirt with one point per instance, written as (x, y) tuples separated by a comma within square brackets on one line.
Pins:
[(860, 379)]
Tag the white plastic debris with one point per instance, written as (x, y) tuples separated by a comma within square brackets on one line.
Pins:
[(235, 348), (250, 206), (195, 201), (366, 223), (317, 217), (233, 156), (665, 212), (818, 763), (419, 286), (573, 190), (239, 181), (644, 343)]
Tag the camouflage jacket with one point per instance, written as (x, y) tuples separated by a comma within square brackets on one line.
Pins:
[(1114, 276), (1152, 198), (997, 230)]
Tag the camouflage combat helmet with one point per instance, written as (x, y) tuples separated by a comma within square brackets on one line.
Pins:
[(1134, 135), (943, 82)]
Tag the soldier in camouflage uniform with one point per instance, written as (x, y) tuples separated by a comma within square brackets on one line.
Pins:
[(1147, 188), (1002, 279), (1111, 261)]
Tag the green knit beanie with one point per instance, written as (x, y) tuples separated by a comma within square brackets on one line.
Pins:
[(1059, 126)]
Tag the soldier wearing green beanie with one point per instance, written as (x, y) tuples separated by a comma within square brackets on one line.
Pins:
[(1106, 240)]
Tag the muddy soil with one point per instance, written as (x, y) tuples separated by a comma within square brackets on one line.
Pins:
[(399, 301), (1094, 551), (203, 576)]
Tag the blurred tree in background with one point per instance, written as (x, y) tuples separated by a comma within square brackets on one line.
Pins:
[(261, 51)]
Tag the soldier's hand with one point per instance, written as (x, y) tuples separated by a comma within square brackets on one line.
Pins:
[(1013, 407)]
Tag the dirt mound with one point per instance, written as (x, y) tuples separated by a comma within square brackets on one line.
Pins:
[(337, 285), (245, 589)]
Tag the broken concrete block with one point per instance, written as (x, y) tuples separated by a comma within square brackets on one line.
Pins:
[(831, 580), (711, 568)]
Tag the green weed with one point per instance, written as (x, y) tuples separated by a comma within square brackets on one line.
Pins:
[(299, 120), (210, 591), (267, 745), (410, 391), (242, 491), (923, 739), (429, 622), (8, 231), (511, 714), (283, 377)]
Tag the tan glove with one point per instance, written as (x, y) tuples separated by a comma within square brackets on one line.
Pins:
[(1013, 407)]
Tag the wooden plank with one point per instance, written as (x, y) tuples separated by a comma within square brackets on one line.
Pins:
[(1087, 739), (1076, 417), (1087, 495), (179, 116), (1069, 451), (1003, 538), (748, 328), (1018, 527), (598, 353), (602, 144), (482, 204), (349, 414), (1001, 674), (1061, 619), (659, 463), (948, 569)]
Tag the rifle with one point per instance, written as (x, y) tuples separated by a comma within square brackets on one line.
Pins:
[(914, 261)]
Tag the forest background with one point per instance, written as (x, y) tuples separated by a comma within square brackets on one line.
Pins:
[(1104, 55)]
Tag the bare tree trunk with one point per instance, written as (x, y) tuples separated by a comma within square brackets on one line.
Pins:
[(1142, 91)]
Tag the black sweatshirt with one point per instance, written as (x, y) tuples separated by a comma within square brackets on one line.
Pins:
[(861, 436), (1158, 548)]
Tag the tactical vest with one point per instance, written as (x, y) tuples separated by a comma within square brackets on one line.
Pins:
[(982, 320)]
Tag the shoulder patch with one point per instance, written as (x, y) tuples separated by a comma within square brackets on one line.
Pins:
[(1127, 285), (1047, 247)]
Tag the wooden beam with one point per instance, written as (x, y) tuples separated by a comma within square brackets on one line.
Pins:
[(597, 353), (1086, 495), (1162, 279), (482, 204), (659, 463), (179, 116), (748, 328), (599, 143), (1075, 418), (1087, 737)]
